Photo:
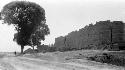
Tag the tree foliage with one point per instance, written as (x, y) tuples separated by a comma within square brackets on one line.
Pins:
[(39, 34), (29, 21), (93, 36)]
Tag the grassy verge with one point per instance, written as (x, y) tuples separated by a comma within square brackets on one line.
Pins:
[(110, 58)]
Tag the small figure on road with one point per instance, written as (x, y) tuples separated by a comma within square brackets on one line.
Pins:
[(15, 52)]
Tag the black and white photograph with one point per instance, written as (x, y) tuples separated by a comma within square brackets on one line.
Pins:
[(62, 35)]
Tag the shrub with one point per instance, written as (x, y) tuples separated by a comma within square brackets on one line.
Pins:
[(108, 58)]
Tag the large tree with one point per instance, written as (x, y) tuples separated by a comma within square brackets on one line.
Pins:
[(27, 17)]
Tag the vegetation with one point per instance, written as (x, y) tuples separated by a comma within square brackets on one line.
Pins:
[(41, 48), (102, 35), (109, 58), (29, 21)]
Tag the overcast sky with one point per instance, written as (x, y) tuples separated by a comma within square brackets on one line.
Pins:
[(64, 16)]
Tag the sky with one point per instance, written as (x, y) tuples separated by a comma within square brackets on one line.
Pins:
[(65, 16)]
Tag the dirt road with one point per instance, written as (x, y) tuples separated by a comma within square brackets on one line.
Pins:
[(24, 63)]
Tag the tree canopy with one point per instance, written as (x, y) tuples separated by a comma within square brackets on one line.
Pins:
[(93, 36), (29, 21)]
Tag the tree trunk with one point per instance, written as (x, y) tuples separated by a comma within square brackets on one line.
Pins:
[(22, 47), (33, 49), (111, 46)]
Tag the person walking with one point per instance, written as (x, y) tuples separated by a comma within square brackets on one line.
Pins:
[(15, 52)]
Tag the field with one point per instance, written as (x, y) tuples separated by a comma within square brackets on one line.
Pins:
[(70, 60), (115, 58)]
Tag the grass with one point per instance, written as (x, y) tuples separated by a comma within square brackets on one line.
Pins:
[(110, 57), (114, 58)]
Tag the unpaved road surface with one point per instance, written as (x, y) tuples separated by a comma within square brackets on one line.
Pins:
[(25, 63)]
